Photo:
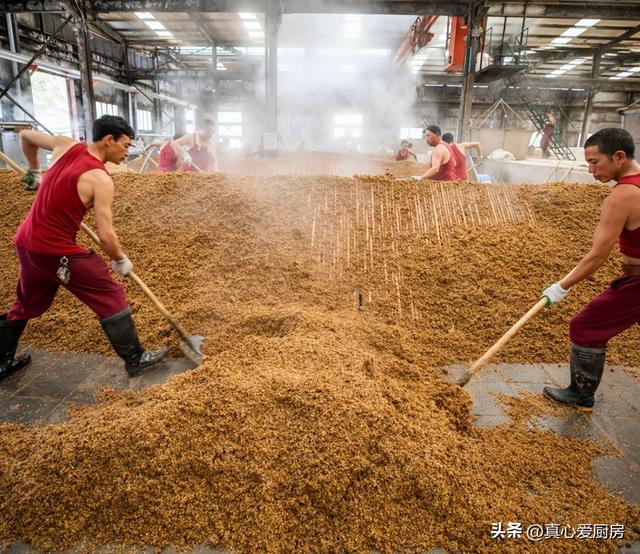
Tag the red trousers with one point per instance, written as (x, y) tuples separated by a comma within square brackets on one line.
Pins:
[(608, 314), (90, 282)]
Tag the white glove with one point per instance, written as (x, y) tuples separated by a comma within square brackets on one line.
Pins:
[(554, 293), (186, 160), (122, 266), (415, 177)]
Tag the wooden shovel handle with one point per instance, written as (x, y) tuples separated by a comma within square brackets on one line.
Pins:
[(505, 338), (147, 291)]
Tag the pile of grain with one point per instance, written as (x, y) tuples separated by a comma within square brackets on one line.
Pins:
[(318, 423)]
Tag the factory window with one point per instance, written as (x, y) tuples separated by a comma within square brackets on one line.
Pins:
[(230, 125), (144, 120), (347, 125), (190, 121), (102, 108), (410, 133), (54, 115)]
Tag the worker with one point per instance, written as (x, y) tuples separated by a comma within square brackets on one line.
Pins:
[(609, 154), (192, 152), (443, 165), (547, 133), (459, 151), (405, 152), (49, 255)]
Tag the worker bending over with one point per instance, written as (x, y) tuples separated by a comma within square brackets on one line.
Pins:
[(405, 152), (610, 156), (459, 151), (193, 152), (49, 255)]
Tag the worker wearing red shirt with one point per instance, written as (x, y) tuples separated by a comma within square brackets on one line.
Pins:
[(193, 152), (443, 164), (49, 255), (459, 151), (609, 153), (405, 152)]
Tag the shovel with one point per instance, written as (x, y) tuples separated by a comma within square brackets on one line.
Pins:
[(503, 340), (190, 345)]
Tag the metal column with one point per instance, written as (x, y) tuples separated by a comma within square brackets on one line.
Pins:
[(474, 22), (86, 73), (273, 17), (591, 92)]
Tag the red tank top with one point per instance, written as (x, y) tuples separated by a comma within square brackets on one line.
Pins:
[(167, 160), (57, 211), (630, 240), (461, 163), (447, 172)]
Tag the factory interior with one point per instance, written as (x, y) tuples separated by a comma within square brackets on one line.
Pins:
[(289, 276)]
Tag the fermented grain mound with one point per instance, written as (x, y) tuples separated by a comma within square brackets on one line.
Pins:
[(317, 424), (320, 163)]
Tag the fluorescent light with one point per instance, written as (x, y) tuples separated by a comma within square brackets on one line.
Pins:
[(155, 25), (247, 15), (615, 78), (221, 67), (634, 69), (145, 15), (561, 40), (253, 25), (578, 61), (558, 71), (625, 74), (574, 31), (567, 67), (587, 22), (165, 34)]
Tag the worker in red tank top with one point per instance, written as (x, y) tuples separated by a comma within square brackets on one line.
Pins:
[(610, 155), (459, 150), (49, 255), (405, 152), (193, 152), (443, 165)]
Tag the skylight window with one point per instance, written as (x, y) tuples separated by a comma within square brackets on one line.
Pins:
[(164, 34), (155, 25), (587, 22), (574, 31), (145, 15), (561, 40), (247, 15)]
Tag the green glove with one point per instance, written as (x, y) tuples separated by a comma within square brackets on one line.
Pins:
[(32, 179)]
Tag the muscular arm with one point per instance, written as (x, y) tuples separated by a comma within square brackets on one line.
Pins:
[(436, 161), (102, 186), (475, 145), (615, 211), (413, 155), (32, 141)]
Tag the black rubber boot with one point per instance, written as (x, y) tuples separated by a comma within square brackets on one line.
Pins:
[(10, 332), (587, 365), (122, 335)]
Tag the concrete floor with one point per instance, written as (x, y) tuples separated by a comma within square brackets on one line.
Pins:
[(43, 392)]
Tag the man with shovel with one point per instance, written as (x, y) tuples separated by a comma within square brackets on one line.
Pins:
[(47, 249), (610, 155)]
